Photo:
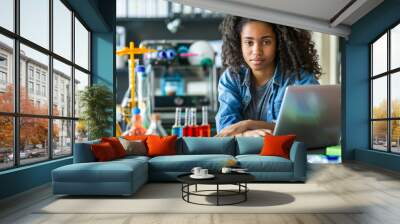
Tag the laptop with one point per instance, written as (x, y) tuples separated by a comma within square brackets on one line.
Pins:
[(312, 113)]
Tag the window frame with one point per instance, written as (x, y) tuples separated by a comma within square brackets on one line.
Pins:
[(16, 114), (388, 74)]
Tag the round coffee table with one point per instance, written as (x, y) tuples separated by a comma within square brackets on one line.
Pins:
[(238, 179)]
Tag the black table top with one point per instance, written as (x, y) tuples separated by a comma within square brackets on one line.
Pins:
[(220, 178)]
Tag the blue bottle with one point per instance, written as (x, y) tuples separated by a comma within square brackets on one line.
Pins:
[(177, 128)]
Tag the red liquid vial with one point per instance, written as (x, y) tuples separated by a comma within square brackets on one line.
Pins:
[(185, 131), (198, 131), (192, 131), (205, 130), (205, 127), (186, 125)]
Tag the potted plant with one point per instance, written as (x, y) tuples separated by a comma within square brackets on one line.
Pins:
[(96, 104)]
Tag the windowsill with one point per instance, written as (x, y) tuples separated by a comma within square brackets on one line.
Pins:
[(379, 152), (381, 159), (26, 167)]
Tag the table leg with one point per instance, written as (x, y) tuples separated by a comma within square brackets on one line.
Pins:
[(196, 188), (245, 191), (182, 188), (217, 194), (188, 190)]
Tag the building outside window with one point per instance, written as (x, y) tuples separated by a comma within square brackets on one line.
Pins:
[(3, 78), (30, 87), (38, 89), (3, 72), (44, 77), (37, 75), (3, 81), (55, 97), (43, 90), (30, 72), (3, 61)]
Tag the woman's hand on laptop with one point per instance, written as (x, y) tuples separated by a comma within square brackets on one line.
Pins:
[(235, 129), (239, 128), (257, 133)]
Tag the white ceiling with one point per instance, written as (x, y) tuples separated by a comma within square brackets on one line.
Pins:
[(320, 9), (315, 15)]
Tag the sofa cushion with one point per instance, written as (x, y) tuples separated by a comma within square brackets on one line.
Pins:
[(112, 171), (128, 159), (83, 152), (249, 145), (185, 163), (209, 145), (257, 163)]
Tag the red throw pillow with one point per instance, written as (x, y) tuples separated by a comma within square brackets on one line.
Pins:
[(103, 151), (277, 145), (160, 146), (116, 145)]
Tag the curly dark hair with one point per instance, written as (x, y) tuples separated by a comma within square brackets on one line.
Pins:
[(295, 49)]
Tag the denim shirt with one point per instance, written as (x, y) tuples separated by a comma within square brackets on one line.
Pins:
[(234, 94)]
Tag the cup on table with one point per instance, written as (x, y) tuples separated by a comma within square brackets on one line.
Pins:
[(196, 170), (226, 170), (203, 172)]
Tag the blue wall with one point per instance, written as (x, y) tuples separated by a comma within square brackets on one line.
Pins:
[(99, 15), (103, 64), (355, 63), (24, 178), (103, 56)]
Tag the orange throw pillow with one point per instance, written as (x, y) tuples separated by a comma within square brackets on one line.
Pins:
[(277, 145), (161, 146), (116, 145), (103, 152)]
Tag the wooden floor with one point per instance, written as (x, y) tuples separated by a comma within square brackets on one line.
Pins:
[(377, 188)]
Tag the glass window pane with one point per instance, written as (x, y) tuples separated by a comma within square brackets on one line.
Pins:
[(62, 138), (6, 74), (62, 89), (35, 21), (379, 55), (34, 97), (379, 97), (379, 135), (395, 136), (6, 142), (62, 29), (81, 81), (81, 131), (395, 94), (33, 140), (81, 45), (395, 47), (7, 14)]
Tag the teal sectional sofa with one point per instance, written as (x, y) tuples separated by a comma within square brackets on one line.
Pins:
[(125, 176)]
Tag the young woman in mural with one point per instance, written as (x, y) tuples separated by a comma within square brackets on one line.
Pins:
[(261, 60)]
